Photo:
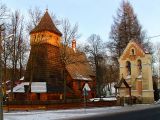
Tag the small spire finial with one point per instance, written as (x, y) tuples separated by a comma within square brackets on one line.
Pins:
[(47, 8), (74, 44)]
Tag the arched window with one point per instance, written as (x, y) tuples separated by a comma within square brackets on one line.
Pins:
[(128, 67), (132, 51), (139, 65)]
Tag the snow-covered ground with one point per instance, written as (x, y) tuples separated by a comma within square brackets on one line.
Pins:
[(67, 114), (103, 99)]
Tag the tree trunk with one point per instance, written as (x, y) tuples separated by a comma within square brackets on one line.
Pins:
[(65, 84)]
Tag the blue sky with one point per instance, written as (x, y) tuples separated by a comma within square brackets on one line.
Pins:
[(95, 16)]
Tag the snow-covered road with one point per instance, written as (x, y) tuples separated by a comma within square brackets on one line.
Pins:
[(66, 114)]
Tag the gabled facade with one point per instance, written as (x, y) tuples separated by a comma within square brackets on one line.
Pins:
[(135, 67)]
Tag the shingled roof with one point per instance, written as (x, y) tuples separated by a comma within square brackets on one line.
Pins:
[(46, 24), (79, 68)]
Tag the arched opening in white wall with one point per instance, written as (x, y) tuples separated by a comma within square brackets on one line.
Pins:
[(139, 66), (128, 67)]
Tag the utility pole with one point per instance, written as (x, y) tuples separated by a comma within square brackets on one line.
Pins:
[(1, 85), (158, 67)]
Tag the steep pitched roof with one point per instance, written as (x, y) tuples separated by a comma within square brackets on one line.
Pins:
[(46, 24), (122, 81), (78, 66)]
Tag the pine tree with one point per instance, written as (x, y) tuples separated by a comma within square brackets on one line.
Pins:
[(125, 28)]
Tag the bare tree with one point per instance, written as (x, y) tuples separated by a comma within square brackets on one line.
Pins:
[(156, 57), (3, 18), (35, 14), (69, 33), (3, 11), (23, 49), (15, 27), (5, 57), (95, 50), (34, 18), (2, 15)]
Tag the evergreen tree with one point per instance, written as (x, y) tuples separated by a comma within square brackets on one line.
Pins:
[(125, 28)]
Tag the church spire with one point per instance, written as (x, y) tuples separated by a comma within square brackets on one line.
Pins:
[(46, 24)]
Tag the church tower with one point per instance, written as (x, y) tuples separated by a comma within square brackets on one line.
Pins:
[(135, 68), (44, 64)]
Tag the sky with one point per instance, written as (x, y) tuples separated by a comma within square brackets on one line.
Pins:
[(95, 16)]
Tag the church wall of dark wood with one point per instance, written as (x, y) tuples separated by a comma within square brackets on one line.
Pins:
[(44, 65)]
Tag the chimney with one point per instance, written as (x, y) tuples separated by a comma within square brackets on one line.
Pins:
[(74, 44)]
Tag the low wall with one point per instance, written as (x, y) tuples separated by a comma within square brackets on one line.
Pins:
[(52, 105)]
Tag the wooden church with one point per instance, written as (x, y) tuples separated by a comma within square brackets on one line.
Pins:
[(136, 74), (46, 73)]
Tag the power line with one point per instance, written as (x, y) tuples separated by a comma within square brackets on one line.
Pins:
[(153, 37)]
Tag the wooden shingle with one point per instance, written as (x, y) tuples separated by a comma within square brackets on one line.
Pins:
[(46, 24)]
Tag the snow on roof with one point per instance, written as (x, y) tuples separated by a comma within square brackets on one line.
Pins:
[(22, 78), (7, 81), (109, 99), (19, 88), (81, 77), (128, 77), (36, 87), (140, 76), (103, 99)]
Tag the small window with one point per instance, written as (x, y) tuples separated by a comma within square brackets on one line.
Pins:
[(34, 38), (132, 51)]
